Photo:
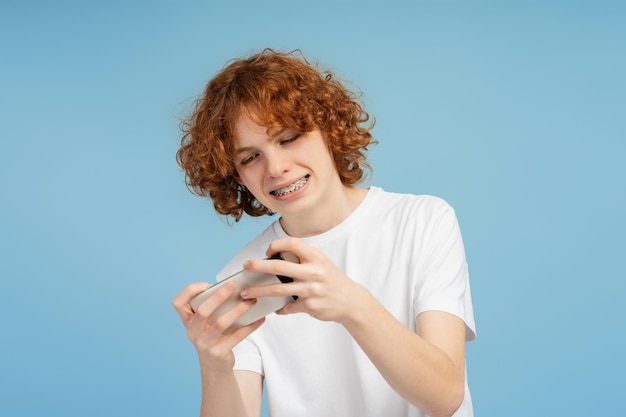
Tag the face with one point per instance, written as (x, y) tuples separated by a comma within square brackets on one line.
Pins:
[(288, 171)]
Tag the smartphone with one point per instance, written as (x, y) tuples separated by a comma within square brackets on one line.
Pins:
[(245, 279)]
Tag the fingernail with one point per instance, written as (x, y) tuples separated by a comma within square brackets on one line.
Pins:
[(246, 265), (244, 294), (230, 286)]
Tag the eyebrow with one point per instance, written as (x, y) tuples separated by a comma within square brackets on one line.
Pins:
[(243, 150)]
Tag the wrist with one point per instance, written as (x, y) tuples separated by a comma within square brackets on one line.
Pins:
[(362, 311), (213, 368)]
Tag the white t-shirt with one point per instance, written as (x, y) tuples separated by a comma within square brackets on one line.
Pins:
[(408, 252)]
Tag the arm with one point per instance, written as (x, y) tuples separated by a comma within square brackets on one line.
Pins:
[(426, 368), (225, 393), (237, 393), (252, 384)]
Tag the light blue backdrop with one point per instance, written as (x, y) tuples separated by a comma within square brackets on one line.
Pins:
[(514, 112)]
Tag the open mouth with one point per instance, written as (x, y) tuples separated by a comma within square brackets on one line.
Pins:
[(293, 187)]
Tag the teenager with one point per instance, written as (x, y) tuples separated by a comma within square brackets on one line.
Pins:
[(383, 305)]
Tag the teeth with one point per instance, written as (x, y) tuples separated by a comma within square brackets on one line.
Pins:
[(293, 187)]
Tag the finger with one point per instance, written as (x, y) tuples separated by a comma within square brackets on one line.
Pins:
[(289, 244), (291, 308), (221, 325), (201, 317), (273, 266), (229, 341), (181, 301), (291, 289), (241, 333), (291, 248)]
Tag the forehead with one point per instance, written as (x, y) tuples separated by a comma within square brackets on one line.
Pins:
[(248, 129), (244, 125)]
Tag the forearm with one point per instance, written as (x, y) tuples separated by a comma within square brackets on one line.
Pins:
[(417, 370), (221, 396)]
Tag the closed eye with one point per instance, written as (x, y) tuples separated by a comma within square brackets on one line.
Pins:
[(290, 139), (248, 159)]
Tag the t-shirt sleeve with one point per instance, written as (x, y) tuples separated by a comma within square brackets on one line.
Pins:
[(248, 357), (443, 284)]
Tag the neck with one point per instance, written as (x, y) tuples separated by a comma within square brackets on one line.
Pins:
[(330, 214)]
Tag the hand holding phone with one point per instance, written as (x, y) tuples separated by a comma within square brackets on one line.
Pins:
[(245, 279)]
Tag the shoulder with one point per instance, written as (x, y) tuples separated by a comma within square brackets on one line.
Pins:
[(423, 206), (413, 216)]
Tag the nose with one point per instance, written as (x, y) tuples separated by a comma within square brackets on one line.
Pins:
[(278, 163)]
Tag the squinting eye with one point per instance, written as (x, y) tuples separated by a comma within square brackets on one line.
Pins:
[(289, 140), (249, 159)]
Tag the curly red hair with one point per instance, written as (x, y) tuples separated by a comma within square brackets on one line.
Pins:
[(277, 90)]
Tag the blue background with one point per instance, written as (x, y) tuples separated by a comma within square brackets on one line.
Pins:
[(514, 112)]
